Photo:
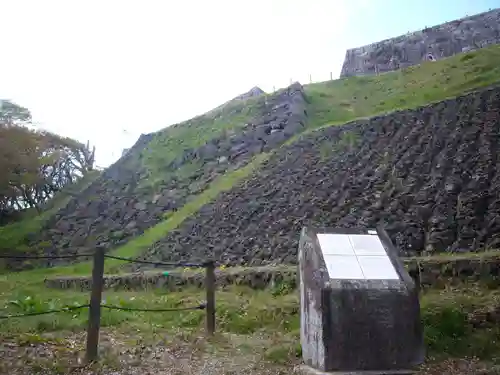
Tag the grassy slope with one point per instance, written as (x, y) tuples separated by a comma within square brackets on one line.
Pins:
[(343, 100), (171, 142), (13, 236)]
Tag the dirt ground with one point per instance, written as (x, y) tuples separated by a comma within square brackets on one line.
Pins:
[(174, 355)]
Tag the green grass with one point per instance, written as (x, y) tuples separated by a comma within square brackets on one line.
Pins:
[(173, 141), (447, 330), (346, 99), (14, 236), (449, 257), (243, 311), (239, 310)]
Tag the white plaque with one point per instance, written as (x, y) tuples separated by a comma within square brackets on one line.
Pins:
[(356, 257)]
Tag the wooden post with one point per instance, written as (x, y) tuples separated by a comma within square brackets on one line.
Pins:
[(210, 286), (418, 278), (331, 76), (95, 305)]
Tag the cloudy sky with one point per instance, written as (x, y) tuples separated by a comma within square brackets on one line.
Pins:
[(109, 70)]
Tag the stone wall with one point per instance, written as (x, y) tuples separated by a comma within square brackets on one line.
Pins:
[(433, 43), (428, 273), (430, 176), (116, 208)]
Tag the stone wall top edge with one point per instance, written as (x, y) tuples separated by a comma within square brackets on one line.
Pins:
[(313, 230), (353, 124), (403, 37), (369, 285)]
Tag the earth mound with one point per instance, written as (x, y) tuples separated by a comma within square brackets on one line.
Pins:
[(164, 171), (429, 175)]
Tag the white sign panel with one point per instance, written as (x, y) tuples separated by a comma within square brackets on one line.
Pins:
[(356, 257)]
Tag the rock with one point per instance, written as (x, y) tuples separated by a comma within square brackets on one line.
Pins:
[(254, 91), (293, 128), (238, 148), (131, 225), (140, 206), (78, 239), (432, 43), (208, 151)]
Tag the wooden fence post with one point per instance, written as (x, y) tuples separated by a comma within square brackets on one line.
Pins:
[(210, 287), (418, 278), (95, 305)]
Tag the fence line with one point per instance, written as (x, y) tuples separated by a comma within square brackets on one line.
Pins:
[(64, 309), (305, 79), (202, 306), (168, 264), (95, 306), (45, 256), (199, 307)]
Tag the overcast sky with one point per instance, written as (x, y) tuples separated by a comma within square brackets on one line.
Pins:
[(107, 71)]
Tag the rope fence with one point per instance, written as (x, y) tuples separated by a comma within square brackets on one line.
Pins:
[(168, 264), (64, 309), (95, 306), (199, 307), (27, 257)]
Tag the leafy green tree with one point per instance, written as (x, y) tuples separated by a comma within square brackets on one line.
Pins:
[(34, 165)]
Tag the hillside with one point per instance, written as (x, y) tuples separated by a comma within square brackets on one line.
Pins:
[(429, 175), (165, 170), (168, 176)]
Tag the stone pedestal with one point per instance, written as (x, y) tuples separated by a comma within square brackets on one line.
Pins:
[(359, 307)]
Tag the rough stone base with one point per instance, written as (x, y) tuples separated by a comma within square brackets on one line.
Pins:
[(306, 370)]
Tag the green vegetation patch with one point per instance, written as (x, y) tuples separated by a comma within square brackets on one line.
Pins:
[(454, 319), (15, 236), (172, 142), (349, 98)]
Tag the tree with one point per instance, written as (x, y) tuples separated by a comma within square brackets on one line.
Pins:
[(13, 114), (34, 165)]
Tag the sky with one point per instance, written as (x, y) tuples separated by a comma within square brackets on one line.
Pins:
[(106, 71)]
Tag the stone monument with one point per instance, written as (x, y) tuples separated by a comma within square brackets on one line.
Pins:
[(360, 312)]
